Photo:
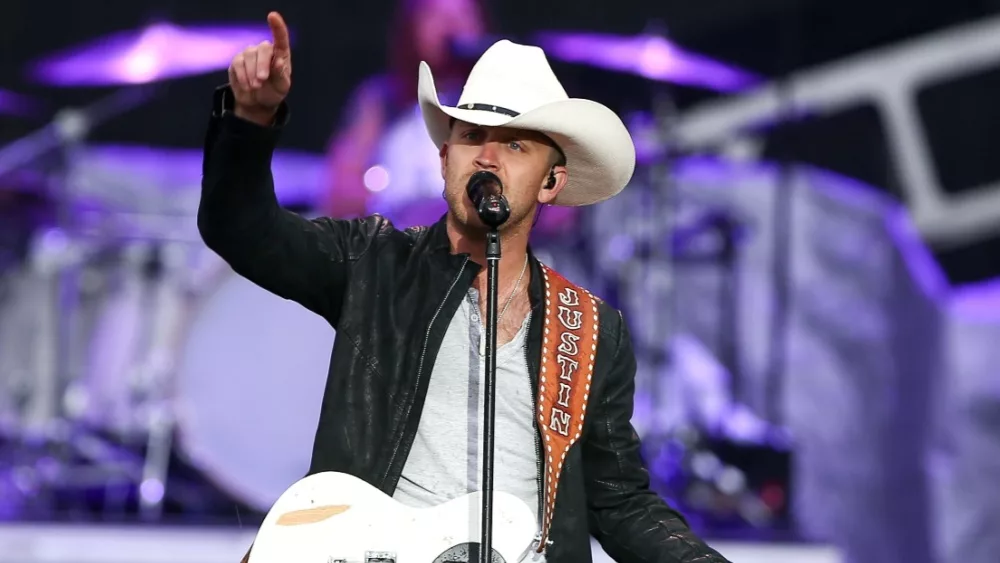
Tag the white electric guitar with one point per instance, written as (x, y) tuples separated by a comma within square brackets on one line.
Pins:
[(337, 518)]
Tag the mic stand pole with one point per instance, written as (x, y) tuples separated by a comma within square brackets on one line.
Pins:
[(493, 211)]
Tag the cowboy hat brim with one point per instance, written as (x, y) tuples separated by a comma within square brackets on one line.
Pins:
[(600, 155)]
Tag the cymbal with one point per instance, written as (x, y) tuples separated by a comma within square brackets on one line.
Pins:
[(649, 56), (157, 52)]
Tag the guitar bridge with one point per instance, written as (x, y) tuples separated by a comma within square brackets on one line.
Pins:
[(380, 557)]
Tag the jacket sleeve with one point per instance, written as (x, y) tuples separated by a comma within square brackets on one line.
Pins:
[(240, 219), (631, 522)]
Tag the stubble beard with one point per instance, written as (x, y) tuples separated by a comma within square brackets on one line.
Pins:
[(465, 218)]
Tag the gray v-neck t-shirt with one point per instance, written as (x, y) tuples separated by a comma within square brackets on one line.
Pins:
[(446, 459)]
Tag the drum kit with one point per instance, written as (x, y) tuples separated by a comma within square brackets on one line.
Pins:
[(125, 341)]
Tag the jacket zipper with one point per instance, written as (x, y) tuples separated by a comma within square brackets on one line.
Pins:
[(534, 424), (420, 366)]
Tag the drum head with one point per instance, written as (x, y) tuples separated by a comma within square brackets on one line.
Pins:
[(251, 376)]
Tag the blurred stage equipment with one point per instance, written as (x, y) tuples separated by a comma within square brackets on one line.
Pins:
[(155, 308), (227, 348), (112, 232), (42, 302), (893, 81), (966, 446), (862, 352)]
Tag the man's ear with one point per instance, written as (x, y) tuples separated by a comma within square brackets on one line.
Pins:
[(550, 189)]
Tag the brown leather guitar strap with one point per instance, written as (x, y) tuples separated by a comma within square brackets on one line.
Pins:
[(569, 345)]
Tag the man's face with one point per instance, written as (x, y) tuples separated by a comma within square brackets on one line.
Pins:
[(521, 159)]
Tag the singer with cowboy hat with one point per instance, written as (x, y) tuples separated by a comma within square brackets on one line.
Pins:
[(401, 408)]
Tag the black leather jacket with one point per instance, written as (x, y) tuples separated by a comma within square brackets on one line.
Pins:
[(390, 294)]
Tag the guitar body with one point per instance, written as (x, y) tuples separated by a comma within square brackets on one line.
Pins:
[(334, 517)]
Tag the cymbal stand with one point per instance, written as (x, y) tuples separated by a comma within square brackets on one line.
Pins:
[(670, 449), (656, 254), (157, 412), (783, 224), (45, 433), (69, 127)]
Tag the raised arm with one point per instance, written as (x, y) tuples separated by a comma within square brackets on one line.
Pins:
[(239, 217)]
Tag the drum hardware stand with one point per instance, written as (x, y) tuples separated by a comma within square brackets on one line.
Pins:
[(783, 217), (160, 419), (674, 252), (494, 211), (148, 410), (666, 449), (661, 218), (70, 127), (44, 422), (729, 231)]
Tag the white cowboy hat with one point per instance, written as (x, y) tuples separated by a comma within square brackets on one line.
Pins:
[(513, 86)]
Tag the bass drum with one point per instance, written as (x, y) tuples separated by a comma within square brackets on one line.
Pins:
[(250, 377)]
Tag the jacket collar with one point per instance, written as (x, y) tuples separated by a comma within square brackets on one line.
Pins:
[(438, 242), (438, 236)]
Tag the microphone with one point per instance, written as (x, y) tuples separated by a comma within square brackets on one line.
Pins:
[(485, 190)]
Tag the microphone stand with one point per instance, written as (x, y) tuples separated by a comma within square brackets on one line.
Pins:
[(493, 211)]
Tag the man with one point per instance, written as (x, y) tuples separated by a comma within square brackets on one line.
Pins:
[(400, 408)]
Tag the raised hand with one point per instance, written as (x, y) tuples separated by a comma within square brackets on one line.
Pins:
[(261, 75)]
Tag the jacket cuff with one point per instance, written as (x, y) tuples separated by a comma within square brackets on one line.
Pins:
[(223, 105)]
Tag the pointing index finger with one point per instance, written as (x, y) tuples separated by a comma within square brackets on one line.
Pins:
[(279, 32)]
